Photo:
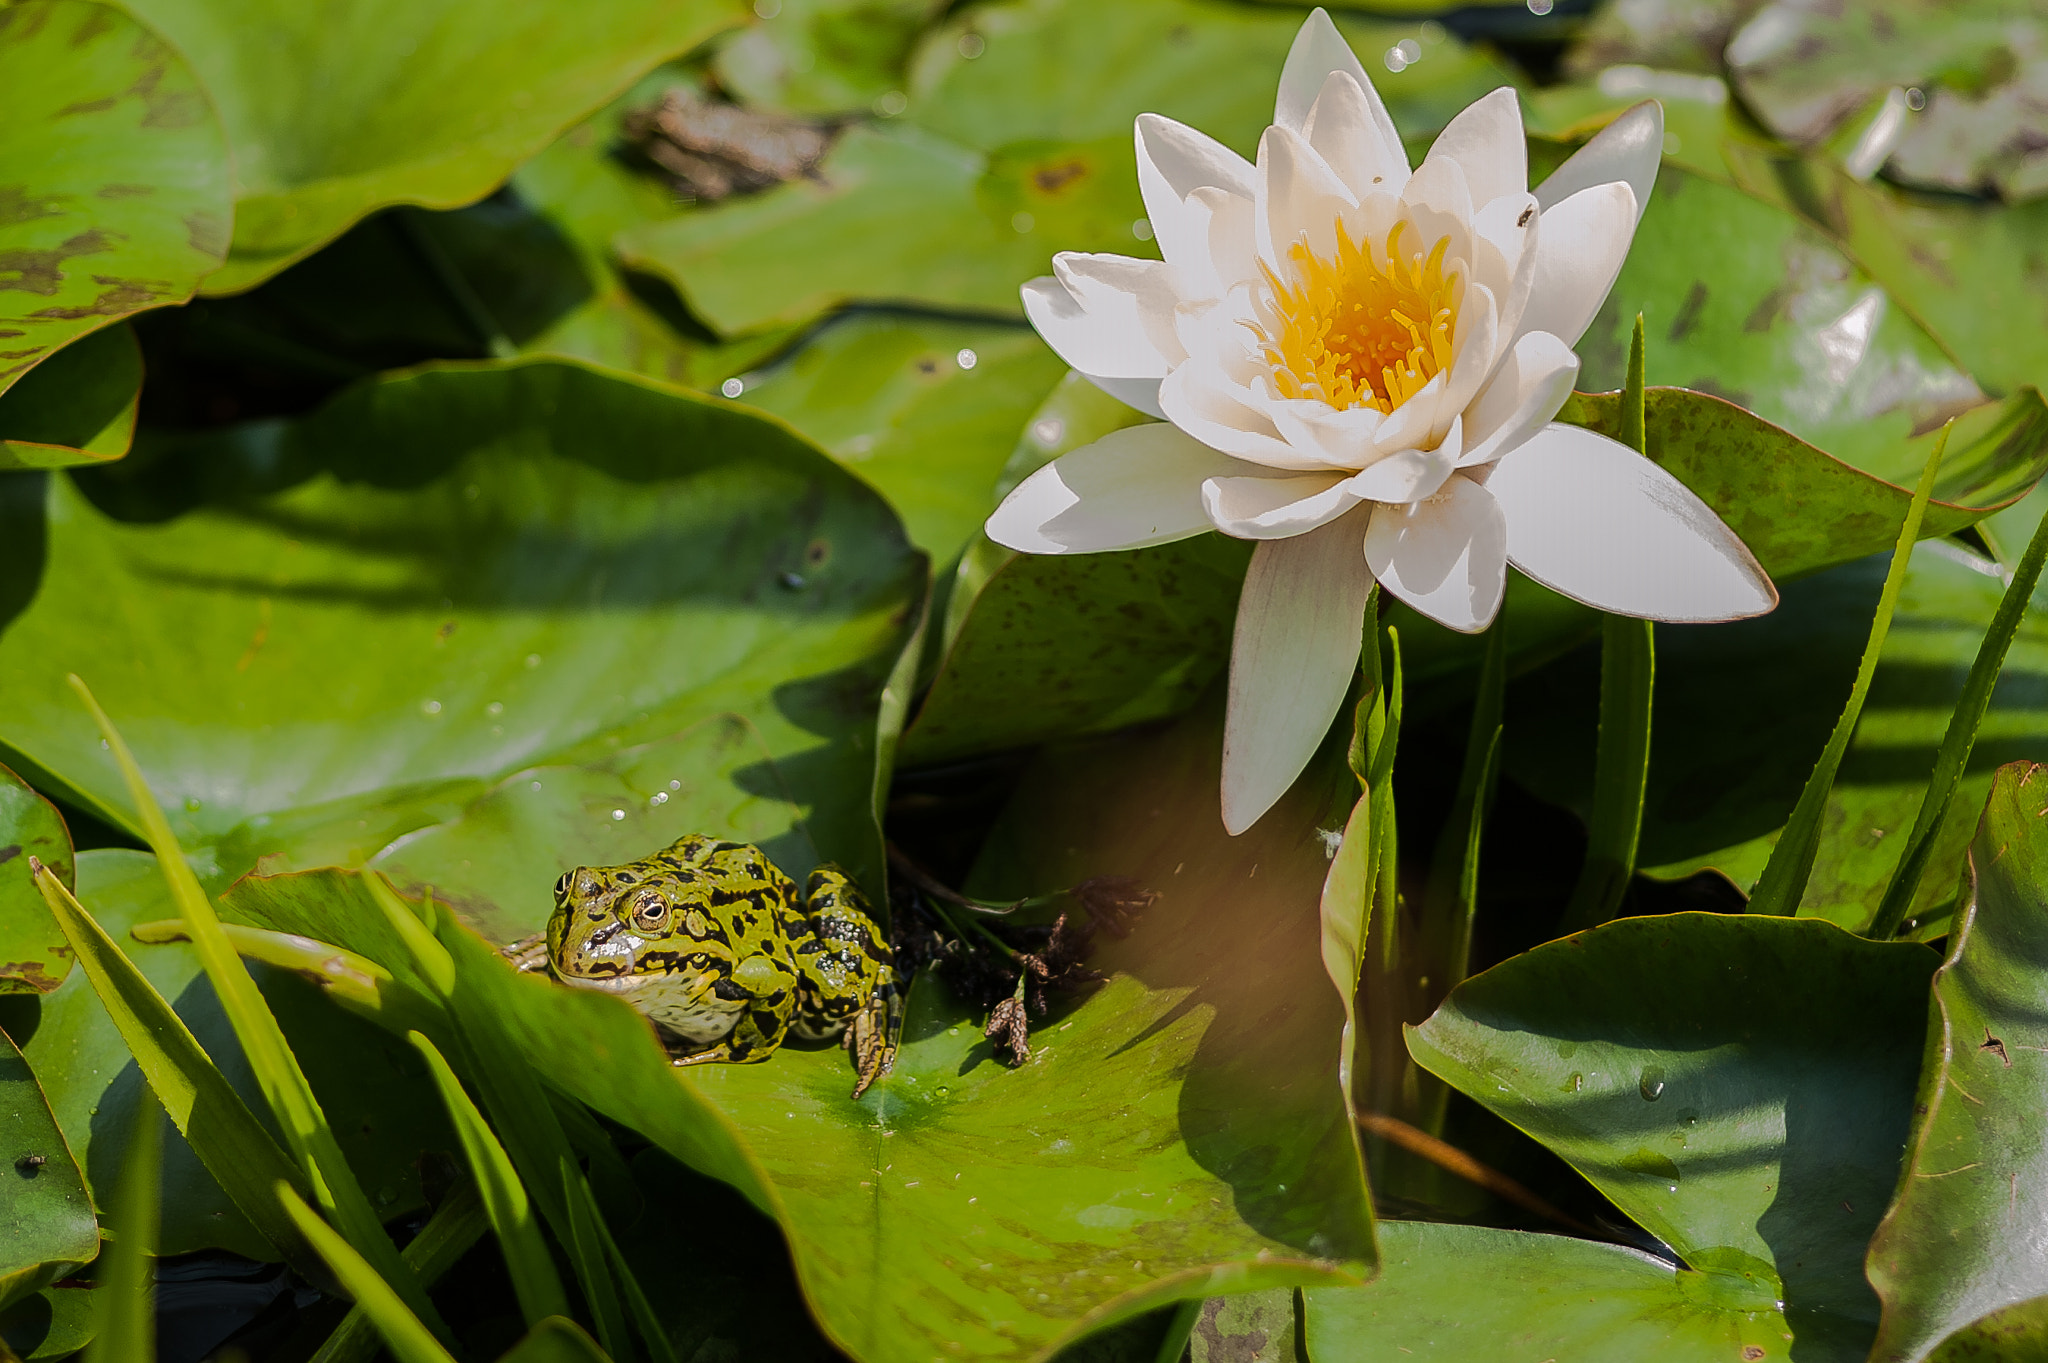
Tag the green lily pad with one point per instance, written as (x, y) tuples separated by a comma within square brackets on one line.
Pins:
[(1955, 1246), (372, 1084), (33, 956), (53, 1324), (1739, 1086), (2018, 1334), (47, 1225), (447, 576), (823, 56), (1450, 1294), (1744, 300), (1253, 1327), (113, 178), (1969, 271), (1175, 1134), (925, 409), (77, 407), (1807, 69), (1005, 157), (1679, 35), (333, 111)]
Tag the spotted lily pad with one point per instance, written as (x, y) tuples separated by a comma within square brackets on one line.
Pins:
[(33, 956), (113, 179)]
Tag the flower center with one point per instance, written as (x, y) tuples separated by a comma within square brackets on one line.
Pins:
[(1354, 335)]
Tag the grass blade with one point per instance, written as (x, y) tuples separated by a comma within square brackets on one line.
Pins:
[(226, 1136), (277, 1071), (1961, 737), (1783, 883), (586, 1247), (644, 1320), (527, 1259), (1621, 769), (408, 1340), (127, 1324), (554, 1341), (456, 1224), (1447, 906)]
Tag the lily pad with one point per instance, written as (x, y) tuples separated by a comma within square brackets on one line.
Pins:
[(1175, 1134), (925, 409), (46, 1221), (333, 110), (1955, 1248), (447, 576), (77, 407), (113, 177), (1969, 271), (1740, 1086), (1807, 67), (93, 1084), (1450, 1294), (33, 956), (1744, 300), (823, 56), (1004, 157)]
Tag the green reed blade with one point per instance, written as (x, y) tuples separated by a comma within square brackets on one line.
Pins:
[(127, 1308), (270, 1057), (1783, 882), (408, 1340), (1960, 738)]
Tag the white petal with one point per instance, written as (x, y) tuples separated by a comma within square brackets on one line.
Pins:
[(1301, 197), (1344, 436), (1276, 508), (1446, 556), (1109, 316), (1137, 486), (1521, 398), (1202, 401), (1579, 251), (1344, 129), (1174, 161), (1300, 623), (1506, 231), (1629, 149), (1224, 222), (1591, 518), (1486, 141), (1319, 49), (1438, 203), (1411, 475), (1411, 425), (1477, 346)]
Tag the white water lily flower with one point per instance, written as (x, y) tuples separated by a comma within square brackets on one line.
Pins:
[(1358, 364)]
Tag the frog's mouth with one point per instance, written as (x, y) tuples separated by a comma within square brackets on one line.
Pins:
[(624, 983)]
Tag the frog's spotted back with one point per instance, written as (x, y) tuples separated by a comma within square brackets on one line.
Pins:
[(713, 942)]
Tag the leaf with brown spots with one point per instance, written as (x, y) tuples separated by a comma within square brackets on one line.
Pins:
[(108, 153), (34, 958)]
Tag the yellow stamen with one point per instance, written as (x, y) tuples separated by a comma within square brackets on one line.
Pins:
[(1347, 334)]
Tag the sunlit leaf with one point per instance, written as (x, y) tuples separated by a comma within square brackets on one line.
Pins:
[(333, 110), (1953, 1247), (34, 958), (1739, 1085)]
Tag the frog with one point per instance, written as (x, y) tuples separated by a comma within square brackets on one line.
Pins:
[(717, 947)]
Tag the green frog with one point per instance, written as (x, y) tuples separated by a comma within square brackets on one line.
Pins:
[(713, 943)]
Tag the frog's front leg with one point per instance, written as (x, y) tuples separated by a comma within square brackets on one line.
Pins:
[(768, 988)]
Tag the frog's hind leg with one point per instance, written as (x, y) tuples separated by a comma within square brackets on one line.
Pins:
[(870, 1039), (849, 975)]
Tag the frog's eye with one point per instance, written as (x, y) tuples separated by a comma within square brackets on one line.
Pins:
[(562, 885), (650, 913)]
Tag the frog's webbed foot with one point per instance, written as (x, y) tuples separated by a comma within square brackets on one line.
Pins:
[(528, 953), (870, 1038)]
